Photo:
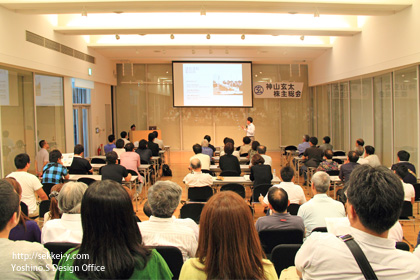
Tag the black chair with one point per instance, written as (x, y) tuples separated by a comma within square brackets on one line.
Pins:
[(402, 246), (320, 229), (290, 148), (333, 172), (337, 160), (98, 160), (406, 213), (239, 189), (339, 153), (199, 194), (293, 208), (24, 208), (243, 155), (270, 238), (208, 172), (283, 256), (86, 180), (58, 249), (229, 173), (44, 207), (192, 211), (47, 188), (173, 257), (417, 195), (259, 189)]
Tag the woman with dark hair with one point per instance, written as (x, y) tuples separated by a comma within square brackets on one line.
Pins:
[(229, 162), (260, 172), (26, 229), (228, 243), (54, 212), (111, 239), (253, 151), (144, 153)]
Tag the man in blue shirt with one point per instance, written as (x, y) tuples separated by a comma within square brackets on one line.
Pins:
[(54, 171), (111, 145)]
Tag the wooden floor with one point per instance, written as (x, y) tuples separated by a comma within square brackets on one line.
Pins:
[(179, 165)]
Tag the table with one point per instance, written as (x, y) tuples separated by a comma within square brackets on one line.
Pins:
[(167, 149), (155, 162), (243, 180), (244, 168), (241, 159), (336, 181)]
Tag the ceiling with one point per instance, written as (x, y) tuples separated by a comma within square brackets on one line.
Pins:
[(268, 31)]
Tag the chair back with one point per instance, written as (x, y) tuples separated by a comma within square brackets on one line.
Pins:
[(132, 172), (24, 208), (320, 229), (192, 211), (417, 192), (339, 153), (173, 257), (402, 246), (239, 189), (259, 189), (283, 256), (293, 208), (59, 248), (200, 194), (98, 160), (407, 210), (44, 207), (47, 188), (290, 148), (86, 180), (270, 238), (208, 172), (229, 173), (244, 155), (337, 160), (333, 172)]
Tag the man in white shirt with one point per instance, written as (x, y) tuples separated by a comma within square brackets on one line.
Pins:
[(374, 201), (162, 228), (294, 192), (42, 157), (204, 159), (409, 192), (30, 184), (124, 137), (320, 206), (370, 158), (158, 141), (197, 178), (250, 128), (267, 159)]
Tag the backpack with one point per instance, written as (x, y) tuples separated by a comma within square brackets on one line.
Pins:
[(166, 171)]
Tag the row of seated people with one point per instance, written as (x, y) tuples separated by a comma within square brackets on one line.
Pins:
[(226, 224)]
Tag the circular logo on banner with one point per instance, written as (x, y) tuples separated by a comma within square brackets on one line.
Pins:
[(258, 90)]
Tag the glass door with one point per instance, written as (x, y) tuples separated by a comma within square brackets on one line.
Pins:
[(81, 126)]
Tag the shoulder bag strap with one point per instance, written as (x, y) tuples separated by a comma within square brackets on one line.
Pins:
[(359, 256)]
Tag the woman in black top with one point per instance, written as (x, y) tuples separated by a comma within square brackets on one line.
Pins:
[(228, 162), (260, 173)]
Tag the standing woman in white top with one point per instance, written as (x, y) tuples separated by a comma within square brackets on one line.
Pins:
[(250, 128)]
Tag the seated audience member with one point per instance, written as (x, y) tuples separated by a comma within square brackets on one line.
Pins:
[(144, 153), (235, 153), (261, 151), (244, 149), (152, 145), (124, 137), (158, 141), (205, 149), (370, 158), (228, 247), (204, 159), (41, 158), (9, 218), (111, 144), (326, 144), (79, 164), (294, 192), (229, 161), (131, 161), (111, 239), (29, 183), (254, 149), (328, 164), (197, 178), (260, 173), (374, 200), (26, 229), (54, 212), (304, 145), (359, 149), (119, 147), (403, 158), (312, 156), (409, 193), (320, 206), (278, 202), (162, 228), (348, 166), (54, 172), (208, 138), (114, 171), (69, 227)]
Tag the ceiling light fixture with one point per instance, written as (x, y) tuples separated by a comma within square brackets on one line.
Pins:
[(316, 14), (203, 11), (84, 13), (302, 38), (208, 37), (117, 37), (172, 36), (243, 37)]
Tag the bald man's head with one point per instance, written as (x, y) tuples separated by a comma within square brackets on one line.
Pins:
[(195, 164)]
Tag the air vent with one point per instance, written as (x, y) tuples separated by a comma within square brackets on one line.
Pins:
[(53, 45)]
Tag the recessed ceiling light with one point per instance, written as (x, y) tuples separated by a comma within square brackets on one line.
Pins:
[(117, 37), (172, 36), (243, 37), (208, 36)]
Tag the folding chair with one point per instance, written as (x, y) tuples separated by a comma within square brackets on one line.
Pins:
[(192, 211), (86, 180), (270, 238), (98, 160), (59, 248), (239, 189), (406, 213), (293, 208), (229, 173), (283, 256), (417, 195), (199, 194), (259, 190), (173, 257)]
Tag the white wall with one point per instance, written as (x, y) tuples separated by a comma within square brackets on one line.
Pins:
[(100, 96), (385, 42)]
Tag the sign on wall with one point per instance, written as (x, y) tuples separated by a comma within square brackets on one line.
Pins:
[(278, 90)]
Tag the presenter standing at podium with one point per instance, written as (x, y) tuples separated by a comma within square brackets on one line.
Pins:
[(250, 129)]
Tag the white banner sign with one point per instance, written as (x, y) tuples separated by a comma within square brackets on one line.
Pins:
[(278, 90)]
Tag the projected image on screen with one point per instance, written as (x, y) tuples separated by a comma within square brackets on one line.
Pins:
[(212, 84)]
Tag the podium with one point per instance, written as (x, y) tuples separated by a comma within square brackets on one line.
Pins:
[(138, 135)]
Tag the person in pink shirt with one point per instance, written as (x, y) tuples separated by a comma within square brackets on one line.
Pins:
[(131, 161)]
